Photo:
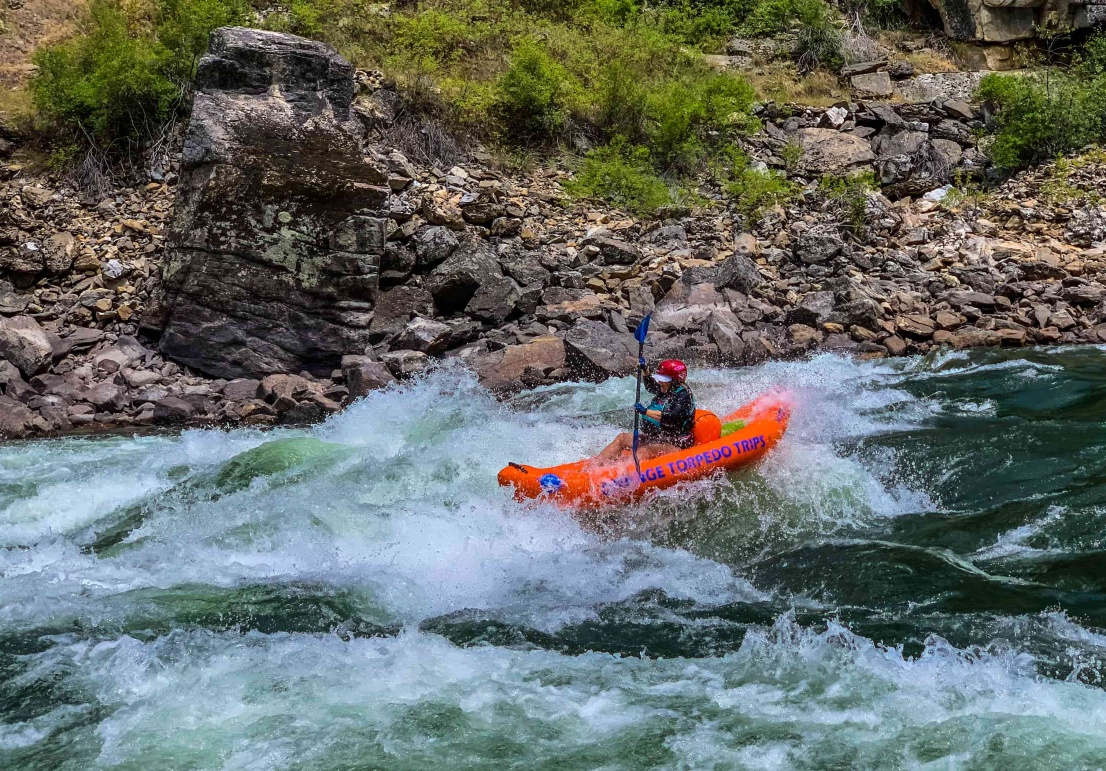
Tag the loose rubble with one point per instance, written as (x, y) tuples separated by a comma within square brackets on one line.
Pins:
[(498, 272)]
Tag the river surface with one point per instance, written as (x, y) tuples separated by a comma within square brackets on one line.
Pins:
[(914, 579)]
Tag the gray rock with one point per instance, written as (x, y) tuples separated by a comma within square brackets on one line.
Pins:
[(12, 302), (825, 151), (434, 245), (405, 364), (80, 339), (426, 335), (724, 329), (613, 251), (363, 375), (454, 283), (172, 409), (26, 344), (877, 84), (274, 270), (395, 308), (526, 270), (16, 420), (862, 68), (106, 396), (594, 351), (815, 247), (242, 390), (495, 300), (738, 272), (814, 310)]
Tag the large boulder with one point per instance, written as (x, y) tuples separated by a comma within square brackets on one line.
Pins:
[(471, 280), (594, 351), (826, 151), (26, 344), (273, 258), (522, 366), (363, 375)]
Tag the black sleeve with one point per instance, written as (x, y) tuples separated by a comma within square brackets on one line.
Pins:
[(650, 384), (679, 412)]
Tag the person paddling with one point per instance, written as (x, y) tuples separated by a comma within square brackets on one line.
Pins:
[(667, 420)]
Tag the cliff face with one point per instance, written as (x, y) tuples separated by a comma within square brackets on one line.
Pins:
[(273, 258)]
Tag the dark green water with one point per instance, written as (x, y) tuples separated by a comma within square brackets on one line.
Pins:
[(913, 580)]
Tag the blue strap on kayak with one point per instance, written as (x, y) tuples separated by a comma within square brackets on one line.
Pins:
[(639, 335)]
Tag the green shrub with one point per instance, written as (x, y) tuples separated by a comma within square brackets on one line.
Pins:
[(683, 113), (771, 17), (1042, 115), (121, 78), (620, 174), (753, 190), (850, 194), (534, 94)]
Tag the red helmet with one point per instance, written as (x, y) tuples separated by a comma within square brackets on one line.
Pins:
[(674, 369)]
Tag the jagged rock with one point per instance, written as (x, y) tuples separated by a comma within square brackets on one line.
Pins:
[(274, 388), (594, 351), (738, 272), (426, 335), (724, 329), (455, 282), (172, 409), (242, 390), (15, 419), (526, 270), (433, 246), (395, 308), (272, 263), (1087, 226), (405, 364), (815, 247), (916, 325), (363, 375), (612, 251), (11, 302), (863, 311), (814, 310), (519, 366), (873, 84), (825, 151), (26, 344), (862, 68)]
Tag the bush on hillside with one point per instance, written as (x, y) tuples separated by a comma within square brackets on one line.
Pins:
[(122, 77), (1040, 116), (622, 175), (535, 92), (683, 114), (754, 190)]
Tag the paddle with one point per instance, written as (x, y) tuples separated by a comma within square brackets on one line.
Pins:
[(639, 335)]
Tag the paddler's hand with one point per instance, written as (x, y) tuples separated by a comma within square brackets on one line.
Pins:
[(640, 409), (641, 364)]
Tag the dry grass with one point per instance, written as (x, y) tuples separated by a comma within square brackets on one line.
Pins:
[(780, 82), (15, 104), (935, 57), (31, 24)]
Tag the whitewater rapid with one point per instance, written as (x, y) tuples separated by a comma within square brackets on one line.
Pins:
[(362, 594)]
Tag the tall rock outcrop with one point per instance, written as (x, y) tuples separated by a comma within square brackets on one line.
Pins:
[(273, 260)]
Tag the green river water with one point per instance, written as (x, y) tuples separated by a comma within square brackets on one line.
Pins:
[(914, 579)]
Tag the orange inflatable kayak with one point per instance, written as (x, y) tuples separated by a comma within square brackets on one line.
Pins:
[(734, 441)]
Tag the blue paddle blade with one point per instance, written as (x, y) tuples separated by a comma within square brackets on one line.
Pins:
[(642, 329)]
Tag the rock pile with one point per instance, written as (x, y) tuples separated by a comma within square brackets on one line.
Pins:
[(911, 148)]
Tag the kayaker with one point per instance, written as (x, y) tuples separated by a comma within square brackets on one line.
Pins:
[(666, 422)]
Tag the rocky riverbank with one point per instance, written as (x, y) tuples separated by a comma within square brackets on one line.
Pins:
[(293, 259)]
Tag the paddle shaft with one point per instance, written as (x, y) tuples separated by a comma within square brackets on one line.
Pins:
[(637, 398), (640, 334)]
